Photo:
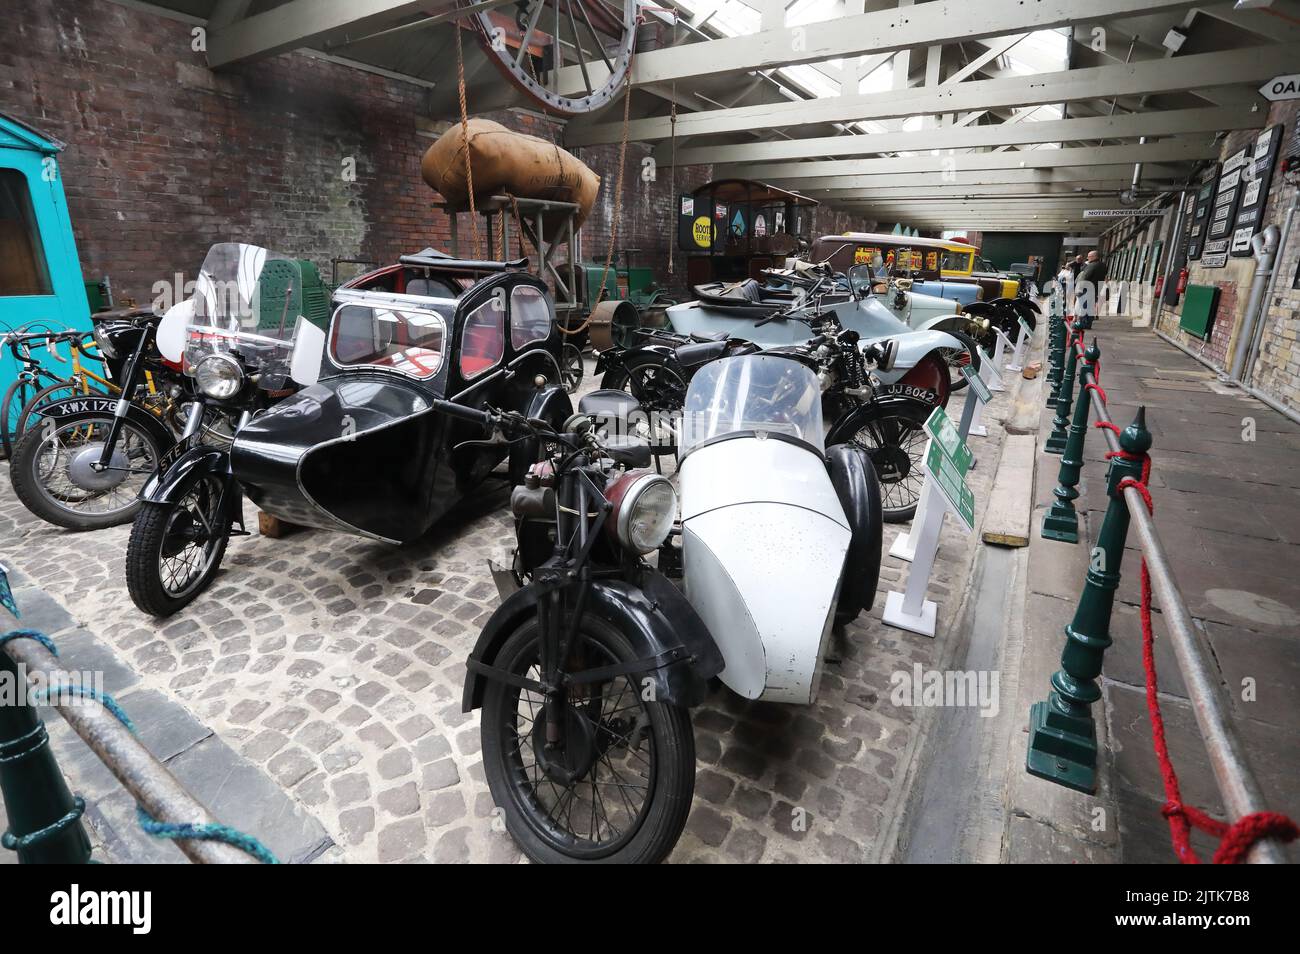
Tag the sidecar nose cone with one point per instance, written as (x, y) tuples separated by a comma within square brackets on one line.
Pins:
[(764, 577)]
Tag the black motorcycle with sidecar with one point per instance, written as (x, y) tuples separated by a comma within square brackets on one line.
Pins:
[(357, 447)]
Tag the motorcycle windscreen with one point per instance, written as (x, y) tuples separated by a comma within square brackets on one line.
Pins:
[(357, 455), (764, 577)]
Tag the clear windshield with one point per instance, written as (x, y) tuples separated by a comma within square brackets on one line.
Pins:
[(247, 302), (767, 394)]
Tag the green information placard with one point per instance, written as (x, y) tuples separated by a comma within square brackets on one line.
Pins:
[(940, 427), (951, 483), (977, 385)]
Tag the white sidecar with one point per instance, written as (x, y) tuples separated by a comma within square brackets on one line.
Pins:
[(767, 523)]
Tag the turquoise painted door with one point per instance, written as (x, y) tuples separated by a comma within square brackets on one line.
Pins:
[(40, 273)]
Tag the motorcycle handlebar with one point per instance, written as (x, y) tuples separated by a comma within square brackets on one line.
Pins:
[(466, 413)]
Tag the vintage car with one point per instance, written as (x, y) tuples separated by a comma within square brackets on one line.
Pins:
[(936, 267), (359, 447)]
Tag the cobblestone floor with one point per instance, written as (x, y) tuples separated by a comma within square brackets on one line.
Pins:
[(335, 664)]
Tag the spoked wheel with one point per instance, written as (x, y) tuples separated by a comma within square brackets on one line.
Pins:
[(55, 472), (656, 385), (176, 548), (16, 397), (617, 788), (958, 358), (895, 440), (569, 56), (572, 367)]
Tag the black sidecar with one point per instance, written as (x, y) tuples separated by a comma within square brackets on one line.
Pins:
[(359, 448)]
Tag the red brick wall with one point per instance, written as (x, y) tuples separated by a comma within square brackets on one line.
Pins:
[(165, 157)]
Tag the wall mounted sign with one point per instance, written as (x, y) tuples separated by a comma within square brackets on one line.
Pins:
[(1258, 175), (1121, 213), (1281, 87), (1200, 216), (1227, 198)]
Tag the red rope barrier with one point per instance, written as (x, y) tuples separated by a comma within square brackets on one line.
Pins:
[(1236, 839)]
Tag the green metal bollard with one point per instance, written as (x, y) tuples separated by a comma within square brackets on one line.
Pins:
[(1062, 737), (1055, 353), (1055, 443), (1062, 521), (44, 818)]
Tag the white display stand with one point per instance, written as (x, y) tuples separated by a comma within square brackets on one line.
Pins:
[(910, 610), (904, 546), (993, 381), (999, 355), (1017, 363)]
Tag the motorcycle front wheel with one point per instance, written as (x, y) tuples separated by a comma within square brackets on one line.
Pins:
[(619, 788), (894, 438), (52, 474), (957, 358), (176, 548)]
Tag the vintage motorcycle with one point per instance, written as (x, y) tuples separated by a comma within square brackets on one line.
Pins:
[(85, 455), (885, 419), (359, 448), (586, 672)]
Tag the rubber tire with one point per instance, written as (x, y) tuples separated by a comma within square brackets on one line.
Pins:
[(15, 399), (142, 549), (619, 378), (670, 802), (918, 414), (27, 487), (972, 348)]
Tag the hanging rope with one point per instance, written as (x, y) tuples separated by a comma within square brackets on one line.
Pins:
[(519, 225), (618, 195), (464, 136), (618, 210), (672, 119)]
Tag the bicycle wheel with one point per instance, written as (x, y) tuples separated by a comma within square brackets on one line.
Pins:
[(16, 396)]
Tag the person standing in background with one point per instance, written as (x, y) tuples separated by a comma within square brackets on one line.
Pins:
[(1088, 288)]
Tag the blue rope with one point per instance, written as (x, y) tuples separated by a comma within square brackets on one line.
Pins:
[(151, 826), (30, 634)]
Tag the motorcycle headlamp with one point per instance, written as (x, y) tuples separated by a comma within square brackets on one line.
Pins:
[(219, 376), (645, 508), (103, 342)]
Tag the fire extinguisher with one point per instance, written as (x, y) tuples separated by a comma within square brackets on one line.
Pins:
[(1182, 281), (1160, 284)]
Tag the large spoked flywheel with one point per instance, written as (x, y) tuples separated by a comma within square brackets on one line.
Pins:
[(570, 56)]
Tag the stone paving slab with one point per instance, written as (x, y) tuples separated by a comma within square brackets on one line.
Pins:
[(328, 671)]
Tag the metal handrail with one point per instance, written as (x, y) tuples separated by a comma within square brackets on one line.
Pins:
[(148, 781), (1240, 792)]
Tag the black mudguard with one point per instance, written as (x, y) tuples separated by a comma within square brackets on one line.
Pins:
[(186, 460), (979, 309), (654, 617), (98, 407), (848, 425), (618, 357), (550, 404), (855, 482)]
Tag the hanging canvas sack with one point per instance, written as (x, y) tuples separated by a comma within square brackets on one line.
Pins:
[(510, 162)]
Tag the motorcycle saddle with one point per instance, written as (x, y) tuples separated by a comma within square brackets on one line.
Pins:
[(693, 355), (608, 405)]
